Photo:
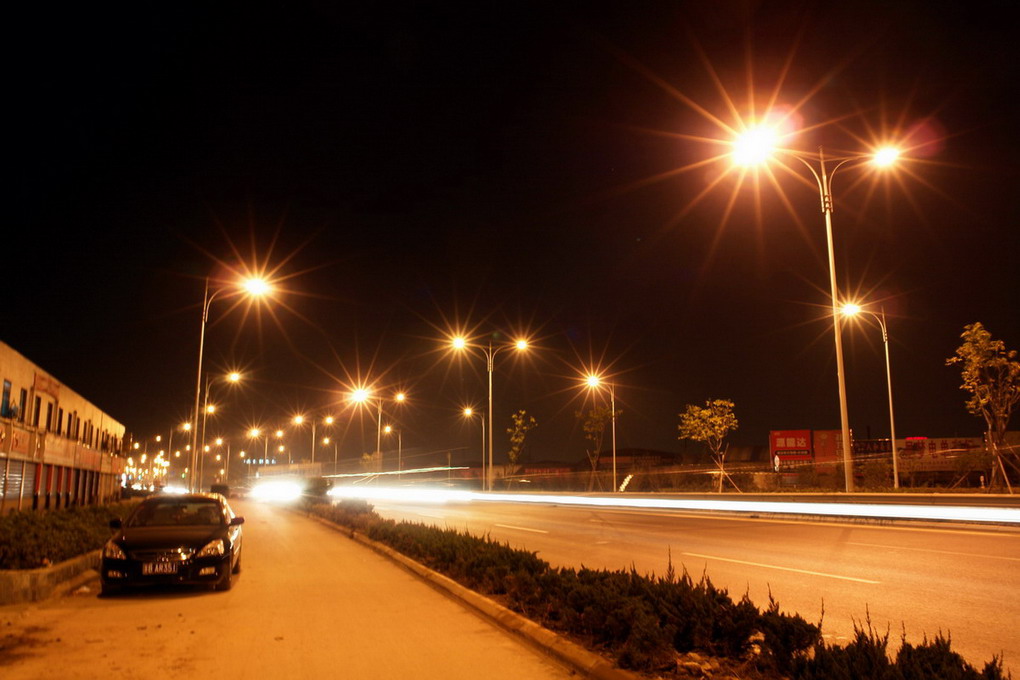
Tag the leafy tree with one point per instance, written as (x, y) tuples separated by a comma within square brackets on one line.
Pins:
[(521, 424), (594, 425), (710, 424), (991, 374)]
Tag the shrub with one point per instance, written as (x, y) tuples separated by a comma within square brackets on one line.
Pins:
[(32, 539)]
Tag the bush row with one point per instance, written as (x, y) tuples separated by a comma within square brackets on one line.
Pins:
[(647, 622), (31, 539)]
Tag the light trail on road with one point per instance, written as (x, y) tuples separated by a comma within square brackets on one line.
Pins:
[(899, 511)]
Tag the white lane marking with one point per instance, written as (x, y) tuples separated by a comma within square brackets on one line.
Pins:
[(433, 515), (930, 550), (773, 566), (811, 523), (510, 526)]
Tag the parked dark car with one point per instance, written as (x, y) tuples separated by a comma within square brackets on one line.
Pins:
[(170, 539)]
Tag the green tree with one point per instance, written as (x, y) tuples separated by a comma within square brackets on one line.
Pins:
[(991, 374), (594, 425), (710, 424), (521, 424)]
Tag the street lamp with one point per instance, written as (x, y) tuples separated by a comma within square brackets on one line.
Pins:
[(461, 344), (363, 395), (389, 429), (468, 412), (255, 287), (754, 147), (594, 382), (851, 310)]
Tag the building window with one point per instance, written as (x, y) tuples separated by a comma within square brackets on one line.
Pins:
[(35, 412), (5, 402), (49, 417), (22, 403)]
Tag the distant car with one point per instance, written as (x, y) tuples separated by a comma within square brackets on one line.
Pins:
[(187, 539)]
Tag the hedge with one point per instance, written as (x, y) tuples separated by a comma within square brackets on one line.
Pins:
[(31, 539), (647, 622)]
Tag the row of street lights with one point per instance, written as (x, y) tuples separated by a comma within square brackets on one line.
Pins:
[(753, 148)]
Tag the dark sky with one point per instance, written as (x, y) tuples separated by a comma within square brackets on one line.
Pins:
[(405, 167)]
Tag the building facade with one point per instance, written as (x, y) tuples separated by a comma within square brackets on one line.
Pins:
[(56, 448)]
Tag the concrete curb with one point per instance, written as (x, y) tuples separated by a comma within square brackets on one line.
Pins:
[(33, 585), (572, 655)]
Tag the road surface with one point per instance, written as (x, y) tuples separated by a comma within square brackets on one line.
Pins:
[(309, 603)]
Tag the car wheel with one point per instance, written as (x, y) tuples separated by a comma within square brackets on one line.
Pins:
[(225, 582), (108, 589)]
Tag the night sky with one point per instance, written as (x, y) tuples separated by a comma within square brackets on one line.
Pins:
[(405, 168)]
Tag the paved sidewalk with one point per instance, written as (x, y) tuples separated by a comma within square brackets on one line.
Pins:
[(309, 603)]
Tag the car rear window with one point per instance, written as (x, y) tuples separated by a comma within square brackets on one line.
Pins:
[(177, 512)]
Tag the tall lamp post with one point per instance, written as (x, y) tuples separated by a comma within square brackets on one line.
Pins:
[(594, 382), (254, 287), (300, 420), (362, 395), (468, 413), (489, 352), (851, 310), (754, 147)]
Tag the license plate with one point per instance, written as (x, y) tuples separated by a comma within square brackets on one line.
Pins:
[(159, 568)]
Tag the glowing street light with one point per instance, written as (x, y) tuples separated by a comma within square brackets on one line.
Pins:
[(850, 310), (461, 344), (594, 382), (754, 147), (389, 429), (468, 413), (255, 287)]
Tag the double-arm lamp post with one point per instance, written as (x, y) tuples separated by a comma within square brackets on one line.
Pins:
[(754, 147), (363, 395), (254, 287), (300, 420), (489, 351)]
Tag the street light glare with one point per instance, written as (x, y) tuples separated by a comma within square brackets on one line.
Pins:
[(400, 396), (298, 420), (359, 395), (257, 287), (886, 156), (850, 309), (458, 343), (754, 145), (234, 377), (521, 344), (593, 381)]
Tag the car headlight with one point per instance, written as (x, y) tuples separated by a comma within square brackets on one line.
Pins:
[(213, 549), (113, 551)]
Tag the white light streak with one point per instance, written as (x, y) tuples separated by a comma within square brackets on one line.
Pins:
[(904, 511)]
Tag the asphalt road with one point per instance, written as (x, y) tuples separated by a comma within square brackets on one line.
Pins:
[(309, 603), (964, 582)]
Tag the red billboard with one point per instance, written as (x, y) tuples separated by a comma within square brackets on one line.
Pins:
[(790, 444)]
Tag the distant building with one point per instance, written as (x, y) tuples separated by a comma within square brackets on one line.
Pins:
[(56, 447)]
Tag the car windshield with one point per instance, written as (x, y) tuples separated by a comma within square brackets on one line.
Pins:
[(177, 512)]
